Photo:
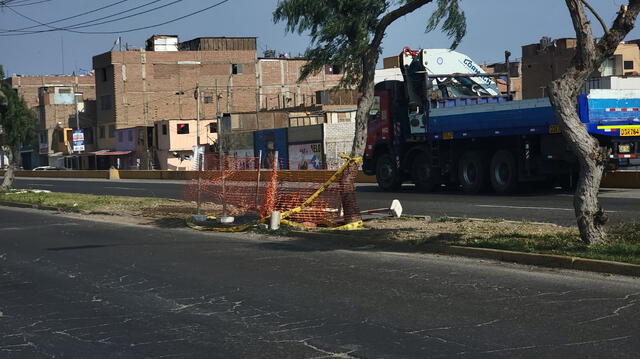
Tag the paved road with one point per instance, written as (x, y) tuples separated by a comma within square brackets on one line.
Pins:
[(80, 289), (550, 206)]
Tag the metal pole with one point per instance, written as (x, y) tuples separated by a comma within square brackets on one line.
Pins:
[(197, 154), (224, 189), (75, 104), (507, 54), (258, 179)]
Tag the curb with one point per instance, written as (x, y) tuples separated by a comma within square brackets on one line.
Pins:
[(29, 205), (535, 259), (543, 260)]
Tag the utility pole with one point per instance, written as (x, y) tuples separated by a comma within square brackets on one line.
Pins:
[(197, 154), (197, 96), (75, 104)]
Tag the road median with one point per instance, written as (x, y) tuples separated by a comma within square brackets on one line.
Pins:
[(539, 244), (613, 179)]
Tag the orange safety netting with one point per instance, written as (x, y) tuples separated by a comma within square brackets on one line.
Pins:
[(236, 186)]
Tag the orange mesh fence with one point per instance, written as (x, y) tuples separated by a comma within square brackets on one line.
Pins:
[(238, 187)]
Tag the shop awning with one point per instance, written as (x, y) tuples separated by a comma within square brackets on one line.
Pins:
[(111, 153)]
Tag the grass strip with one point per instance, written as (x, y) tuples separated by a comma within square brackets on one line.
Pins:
[(624, 244)]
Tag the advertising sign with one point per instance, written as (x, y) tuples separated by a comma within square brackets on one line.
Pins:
[(270, 142), (78, 141), (305, 156), (44, 148)]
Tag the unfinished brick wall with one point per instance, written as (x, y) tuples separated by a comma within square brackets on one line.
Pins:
[(28, 86), (278, 87), (149, 86)]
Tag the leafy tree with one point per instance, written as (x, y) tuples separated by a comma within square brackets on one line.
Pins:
[(348, 34), (563, 93), (17, 127)]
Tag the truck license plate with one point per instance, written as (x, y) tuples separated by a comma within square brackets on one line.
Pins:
[(630, 132)]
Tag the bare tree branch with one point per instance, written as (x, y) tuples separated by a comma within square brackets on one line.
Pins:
[(623, 23), (595, 13), (393, 16)]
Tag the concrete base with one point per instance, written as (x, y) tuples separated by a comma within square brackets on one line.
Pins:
[(225, 220)]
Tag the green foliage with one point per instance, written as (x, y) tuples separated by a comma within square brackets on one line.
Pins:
[(624, 244), (342, 30), (18, 122), (77, 202)]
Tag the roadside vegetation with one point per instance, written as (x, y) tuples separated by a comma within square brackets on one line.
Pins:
[(142, 207), (547, 238)]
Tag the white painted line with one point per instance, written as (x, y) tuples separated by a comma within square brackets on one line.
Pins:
[(539, 208)]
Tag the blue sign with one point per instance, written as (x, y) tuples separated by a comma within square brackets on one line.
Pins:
[(78, 141)]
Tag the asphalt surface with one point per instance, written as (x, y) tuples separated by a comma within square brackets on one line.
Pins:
[(553, 206), (79, 289)]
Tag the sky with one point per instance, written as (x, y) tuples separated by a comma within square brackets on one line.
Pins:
[(493, 26)]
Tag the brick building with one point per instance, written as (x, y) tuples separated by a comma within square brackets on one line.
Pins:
[(515, 73), (52, 98), (142, 87), (278, 87), (545, 61)]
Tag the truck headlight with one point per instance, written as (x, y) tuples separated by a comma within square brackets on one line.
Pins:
[(624, 148)]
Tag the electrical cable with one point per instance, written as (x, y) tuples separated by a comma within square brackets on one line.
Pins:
[(116, 32), (29, 4), (67, 18), (71, 28)]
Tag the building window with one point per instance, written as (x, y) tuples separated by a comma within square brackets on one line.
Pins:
[(130, 133), (164, 129), (120, 136), (103, 73), (112, 131), (213, 127), (105, 102), (101, 131), (208, 99), (332, 70), (236, 69), (183, 128), (628, 65)]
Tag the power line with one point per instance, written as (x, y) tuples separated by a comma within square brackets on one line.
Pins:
[(29, 4), (121, 31), (67, 18), (71, 28)]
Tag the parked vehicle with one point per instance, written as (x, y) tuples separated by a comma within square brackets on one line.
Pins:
[(447, 123), (48, 168)]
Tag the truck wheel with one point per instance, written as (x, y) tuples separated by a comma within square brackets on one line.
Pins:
[(387, 174), (423, 175), (472, 172), (503, 172)]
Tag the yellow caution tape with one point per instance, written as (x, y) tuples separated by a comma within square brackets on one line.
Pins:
[(322, 188), (354, 226), (241, 228), (347, 227)]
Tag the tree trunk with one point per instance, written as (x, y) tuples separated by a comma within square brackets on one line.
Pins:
[(9, 174), (592, 159), (347, 182)]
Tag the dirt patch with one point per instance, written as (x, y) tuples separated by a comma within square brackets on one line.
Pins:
[(412, 229)]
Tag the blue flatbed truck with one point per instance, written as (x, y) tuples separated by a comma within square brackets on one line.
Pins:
[(459, 130)]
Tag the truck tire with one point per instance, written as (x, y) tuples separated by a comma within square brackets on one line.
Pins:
[(472, 172), (422, 174), (503, 172), (387, 174)]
